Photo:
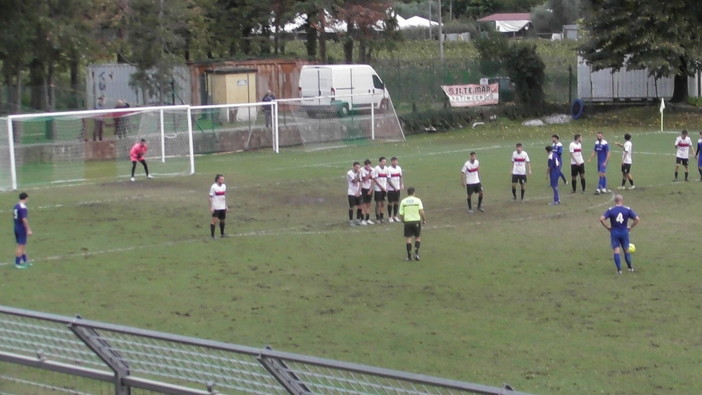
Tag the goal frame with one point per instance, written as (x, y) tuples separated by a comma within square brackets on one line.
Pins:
[(86, 113)]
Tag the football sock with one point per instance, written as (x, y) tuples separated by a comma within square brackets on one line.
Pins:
[(686, 174), (389, 211), (563, 177), (627, 258), (480, 201), (24, 258), (631, 181), (556, 198), (367, 217), (221, 228), (470, 204), (417, 243), (350, 214), (146, 168), (574, 184), (514, 192), (212, 229), (523, 193), (623, 181), (408, 246), (676, 175), (397, 209), (359, 214), (582, 182), (18, 259), (618, 262), (133, 168)]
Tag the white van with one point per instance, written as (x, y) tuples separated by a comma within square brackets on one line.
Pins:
[(341, 88)]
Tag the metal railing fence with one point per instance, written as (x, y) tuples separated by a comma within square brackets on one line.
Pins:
[(133, 359)]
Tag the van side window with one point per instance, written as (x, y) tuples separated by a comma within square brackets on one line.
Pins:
[(377, 83)]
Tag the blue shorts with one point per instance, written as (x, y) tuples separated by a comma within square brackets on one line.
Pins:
[(21, 236), (619, 238)]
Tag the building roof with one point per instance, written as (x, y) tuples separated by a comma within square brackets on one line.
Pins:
[(519, 16)]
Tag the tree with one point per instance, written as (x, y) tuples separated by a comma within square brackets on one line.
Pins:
[(526, 69), (362, 18), (663, 37)]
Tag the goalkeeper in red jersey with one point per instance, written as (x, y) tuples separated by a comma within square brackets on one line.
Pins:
[(136, 154)]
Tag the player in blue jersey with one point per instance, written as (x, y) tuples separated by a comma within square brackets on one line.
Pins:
[(698, 155), (553, 172), (603, 154), (558, 149), (22, 231), (618, 228)]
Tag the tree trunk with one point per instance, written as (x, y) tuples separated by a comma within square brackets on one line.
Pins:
[(348, 50), (310, 40), (680, 89), (74, 102), (36, 85), (322, 37)]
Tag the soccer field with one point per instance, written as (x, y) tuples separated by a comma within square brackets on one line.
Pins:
[(523, 293)]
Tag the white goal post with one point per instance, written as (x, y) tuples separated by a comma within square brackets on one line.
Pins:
[(59, 147)]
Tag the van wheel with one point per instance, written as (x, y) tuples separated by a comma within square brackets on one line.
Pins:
[(383, 105), (343, 111)]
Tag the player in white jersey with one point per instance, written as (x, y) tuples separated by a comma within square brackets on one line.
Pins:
[(395, 186), (577, 163), (520, 166), (366, 191), (380, 188), (470, 179), (353, 181), (683, 144), (218, 204), (627, 148)]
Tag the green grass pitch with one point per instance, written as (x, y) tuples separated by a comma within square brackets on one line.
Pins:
[(523, 293)]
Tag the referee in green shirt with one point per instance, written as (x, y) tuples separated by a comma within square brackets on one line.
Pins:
[(412, 214)]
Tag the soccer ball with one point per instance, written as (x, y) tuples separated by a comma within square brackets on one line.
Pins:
[(632, 248)]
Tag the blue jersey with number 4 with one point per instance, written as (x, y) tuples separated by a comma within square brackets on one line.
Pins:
[(619, 216)]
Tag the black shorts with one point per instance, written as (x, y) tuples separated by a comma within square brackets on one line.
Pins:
[(626, 168), (380, 196), (393, 196), (577, 169), (681, 161), (367, 195), (519, 178), (220, 214), (473, 188), (413, 229), (354, 201)]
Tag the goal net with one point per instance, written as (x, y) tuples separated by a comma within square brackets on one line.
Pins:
[(73, 147), (329, 122)]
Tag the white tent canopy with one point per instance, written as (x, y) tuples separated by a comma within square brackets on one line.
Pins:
[(415, 21), (510, 26)]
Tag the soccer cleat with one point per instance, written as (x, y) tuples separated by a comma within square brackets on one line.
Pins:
[(619, 272), (364, 223), (408, 259), (573, 192), (481, 209), (21, 266), (397, 219), (632, 187), (470, 211), (597, 191), (351, 223), (369, 222), (621, 187), (416, 257), (554, 203), (132, 179), (149, 176), (391, 219), (631, 269)]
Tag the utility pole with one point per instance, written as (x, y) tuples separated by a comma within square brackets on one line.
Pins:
[(441, 36)]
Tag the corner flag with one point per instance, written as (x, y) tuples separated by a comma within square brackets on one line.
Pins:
[(662, 105)]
